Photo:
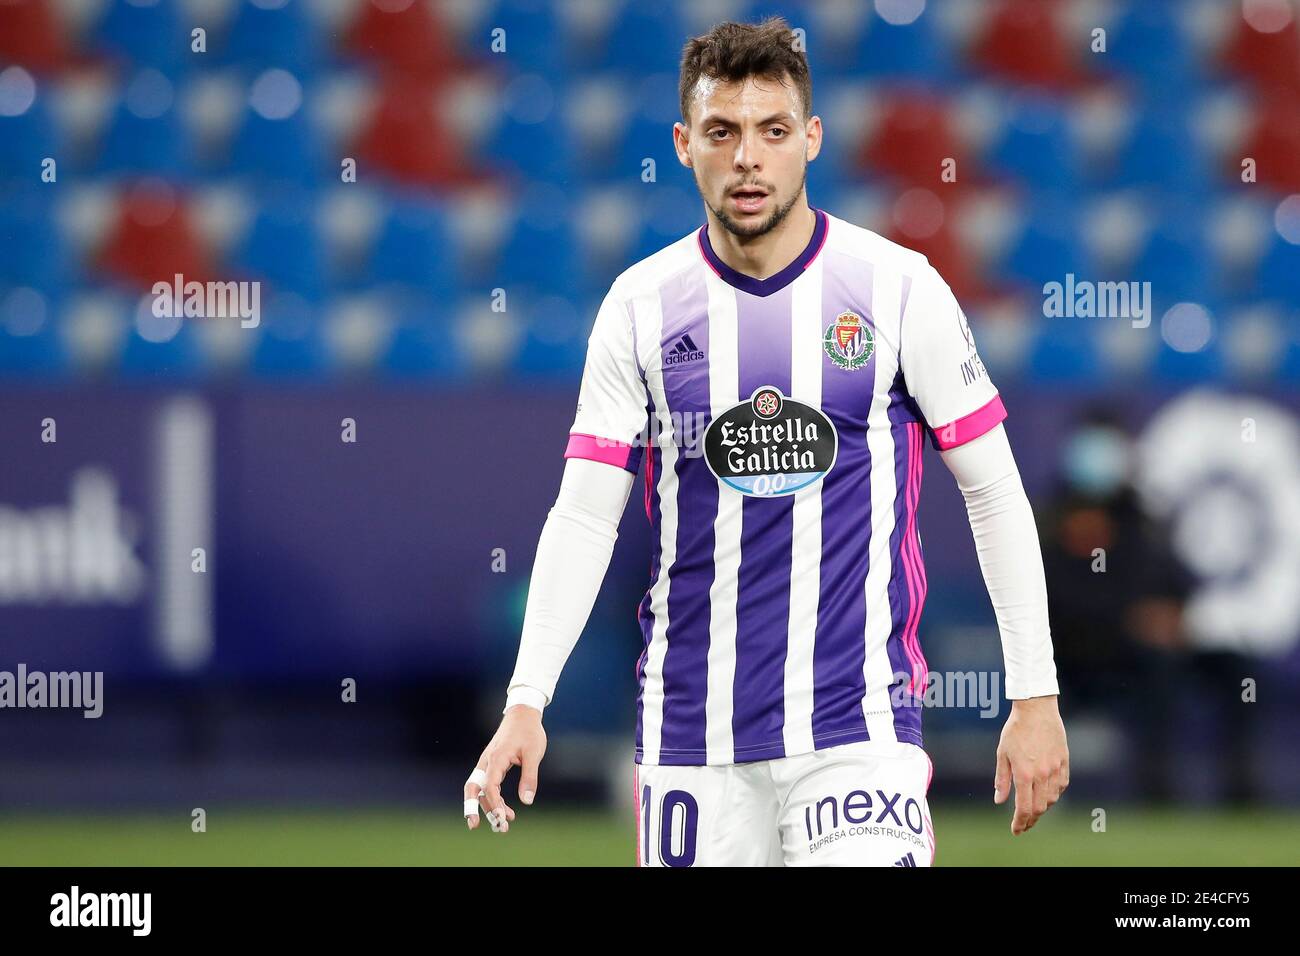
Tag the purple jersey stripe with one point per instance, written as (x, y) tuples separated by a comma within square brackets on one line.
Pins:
[(839, 653), (905, 595), (766, 542), (918, 561), (644, 614)]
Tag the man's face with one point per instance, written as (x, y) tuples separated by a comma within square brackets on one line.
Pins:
[(749, 146)]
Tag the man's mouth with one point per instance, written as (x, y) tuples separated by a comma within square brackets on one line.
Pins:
[(749, 199)]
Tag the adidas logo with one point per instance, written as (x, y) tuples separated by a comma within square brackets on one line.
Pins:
[(907, 860), (685, 350)]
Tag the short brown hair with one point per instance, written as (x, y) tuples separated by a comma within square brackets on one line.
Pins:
[(733, 51)]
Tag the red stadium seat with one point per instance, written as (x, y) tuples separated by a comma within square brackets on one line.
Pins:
[(154, 238), (401, 35), (1269, 60), (912, 140), (406, 138), (1024, 41), (32, 36), (1274, 144), (946, 253)]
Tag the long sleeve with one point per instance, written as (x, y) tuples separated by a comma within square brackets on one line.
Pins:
[(1006, 541), (573, 554)]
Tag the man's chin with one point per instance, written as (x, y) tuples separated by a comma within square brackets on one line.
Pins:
[(750, 227)]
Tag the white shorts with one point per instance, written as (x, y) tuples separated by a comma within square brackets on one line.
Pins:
[(857, 804)]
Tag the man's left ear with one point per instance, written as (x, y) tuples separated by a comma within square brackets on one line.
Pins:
[(816, 147)]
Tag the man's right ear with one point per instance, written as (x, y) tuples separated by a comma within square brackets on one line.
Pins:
[(681, 140)]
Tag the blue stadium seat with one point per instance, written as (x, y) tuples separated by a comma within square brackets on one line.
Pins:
[(1289, 369), (912, 50), (541, 151), (1064, 350), (414, 245), (672, 211), (1147, 41), (284, 149), (179, 357), (135, 145), (149, 34), (1176, 260), (1279, 271), (532, 34), (1189, 369), (261, 37), (26, 140), (1161, 153), (1035, 145), (39, 353), (290, 340), (542, 350), (647, 138), (642, 39), (424, 344), (1049, 245), (283, 246), (542, 249), (35, 253)]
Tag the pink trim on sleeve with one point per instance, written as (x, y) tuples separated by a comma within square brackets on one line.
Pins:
[(970, 426), (598, 449)]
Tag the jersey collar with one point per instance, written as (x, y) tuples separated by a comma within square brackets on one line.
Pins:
[(773, 283)]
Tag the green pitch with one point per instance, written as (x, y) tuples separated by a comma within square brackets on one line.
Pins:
[(558, 838)]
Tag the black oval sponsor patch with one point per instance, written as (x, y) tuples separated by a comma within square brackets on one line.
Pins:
[(770, 445)]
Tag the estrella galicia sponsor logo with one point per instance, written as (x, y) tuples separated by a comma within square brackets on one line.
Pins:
[(770, 445), (848, 341), (683, 350), (862, 813)]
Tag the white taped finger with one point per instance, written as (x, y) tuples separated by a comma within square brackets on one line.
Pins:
[(471, 807), (478, 778), (494, 820)]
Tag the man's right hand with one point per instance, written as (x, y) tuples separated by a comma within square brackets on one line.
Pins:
[(519, 741)]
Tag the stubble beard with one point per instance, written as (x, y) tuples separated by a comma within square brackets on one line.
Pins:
[(764, 227)]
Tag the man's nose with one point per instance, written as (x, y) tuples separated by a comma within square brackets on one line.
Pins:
[(748, 150)]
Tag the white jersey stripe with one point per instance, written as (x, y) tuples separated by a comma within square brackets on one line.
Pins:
[(886, 306), (724, 379), (649, 314), (806, 358)]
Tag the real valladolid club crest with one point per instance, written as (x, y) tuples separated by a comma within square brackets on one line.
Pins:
[(848, 341)]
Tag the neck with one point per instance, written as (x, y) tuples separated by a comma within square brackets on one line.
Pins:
[(765, 255)]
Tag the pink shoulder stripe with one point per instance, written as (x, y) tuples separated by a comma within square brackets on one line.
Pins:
[(971, 426), (598, 449)]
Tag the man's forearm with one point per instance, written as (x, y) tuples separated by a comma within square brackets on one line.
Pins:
[(1006, 542), (573, 555)]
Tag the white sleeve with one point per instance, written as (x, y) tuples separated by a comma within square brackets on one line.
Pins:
[(612, 413), (572, 556), (1006, 541), (941, 369)]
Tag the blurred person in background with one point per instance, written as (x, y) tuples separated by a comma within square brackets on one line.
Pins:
[(1117, 592)]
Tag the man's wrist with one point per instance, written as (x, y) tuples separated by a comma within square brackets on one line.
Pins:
[(528, 696), (1045, 702)]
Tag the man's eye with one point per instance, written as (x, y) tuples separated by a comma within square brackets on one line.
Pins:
[(718, 133), (778, 130)]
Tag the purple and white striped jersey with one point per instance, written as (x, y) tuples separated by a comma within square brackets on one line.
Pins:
[(784, 419)]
